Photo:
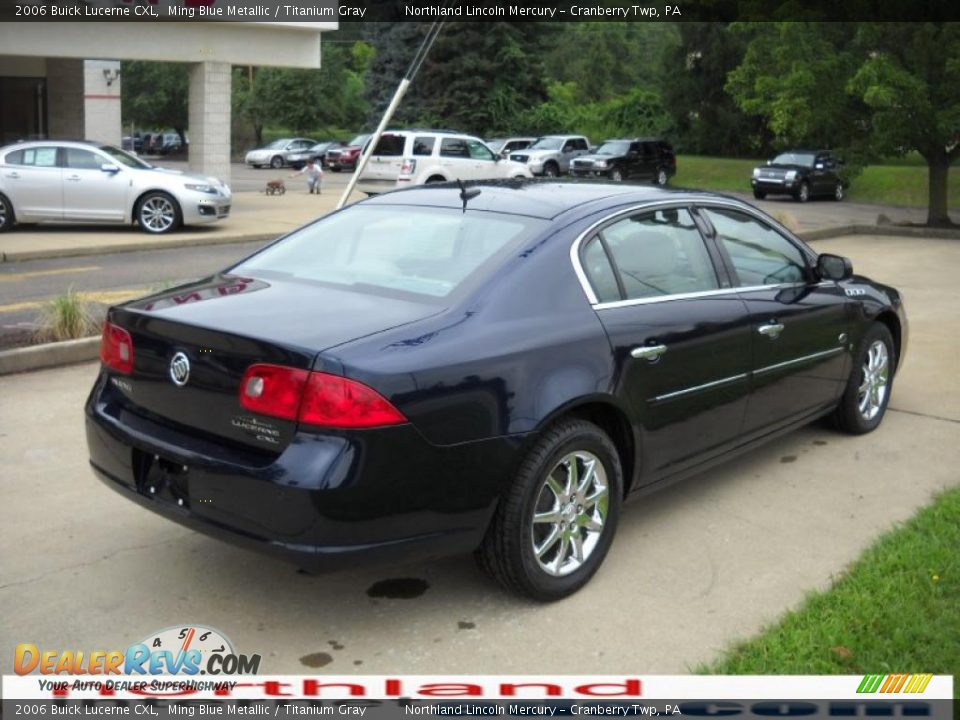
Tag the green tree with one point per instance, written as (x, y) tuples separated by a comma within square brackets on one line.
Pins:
[(706, 118), (154, 95), (874, 89), (910, 80)]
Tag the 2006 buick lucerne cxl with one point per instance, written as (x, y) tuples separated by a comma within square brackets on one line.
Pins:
[(492, 369)]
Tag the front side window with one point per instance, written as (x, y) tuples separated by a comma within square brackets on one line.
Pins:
[(79, 159), (760, 255), (454, 147), (479, 151), (660, 253), (426, 252)]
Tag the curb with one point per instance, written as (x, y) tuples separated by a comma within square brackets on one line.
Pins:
[(49, 355), (83, 250), (882, 230)]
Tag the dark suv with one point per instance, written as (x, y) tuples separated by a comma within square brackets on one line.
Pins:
[(800, 173), (639, 158)]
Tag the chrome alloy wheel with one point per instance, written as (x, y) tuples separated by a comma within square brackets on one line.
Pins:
[(3, 214), (570, 513), (876, 373), (158, 214), (838, 192)]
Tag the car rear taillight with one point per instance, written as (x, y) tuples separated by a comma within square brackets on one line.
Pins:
[(273, 390), (315, 398), (409, 167), (116, 348), (334, 401)]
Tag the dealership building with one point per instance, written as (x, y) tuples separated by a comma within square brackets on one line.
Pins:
[(63, 79)]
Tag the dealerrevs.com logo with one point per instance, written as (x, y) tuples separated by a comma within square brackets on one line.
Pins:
[(183, 650)]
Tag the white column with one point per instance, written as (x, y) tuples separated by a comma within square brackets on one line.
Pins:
[(101, 101), (209, 119)]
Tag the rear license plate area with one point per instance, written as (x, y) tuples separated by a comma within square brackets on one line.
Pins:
[(162, 479)]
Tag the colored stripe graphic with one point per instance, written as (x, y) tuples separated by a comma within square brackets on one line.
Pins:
[(895, 683)]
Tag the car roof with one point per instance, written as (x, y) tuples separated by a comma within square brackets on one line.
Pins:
[(51, 141), (545, 199)]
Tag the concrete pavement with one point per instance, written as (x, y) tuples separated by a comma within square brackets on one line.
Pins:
[(694, 568)]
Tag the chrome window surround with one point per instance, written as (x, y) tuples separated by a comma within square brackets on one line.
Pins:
[(688, 204)]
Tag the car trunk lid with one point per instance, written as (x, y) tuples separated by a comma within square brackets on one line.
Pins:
[(222, 326)]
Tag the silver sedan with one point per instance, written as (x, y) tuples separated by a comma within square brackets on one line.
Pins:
[(84, 182)]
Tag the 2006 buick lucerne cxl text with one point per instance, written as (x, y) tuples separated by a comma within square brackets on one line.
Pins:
[(492, 369)]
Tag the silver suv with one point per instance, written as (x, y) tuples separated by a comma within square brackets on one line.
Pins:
[(551, 154)]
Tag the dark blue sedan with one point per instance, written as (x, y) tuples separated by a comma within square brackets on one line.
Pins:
[(492, 369)]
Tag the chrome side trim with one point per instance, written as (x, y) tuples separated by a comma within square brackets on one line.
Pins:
[(796, 361), (698, 388)]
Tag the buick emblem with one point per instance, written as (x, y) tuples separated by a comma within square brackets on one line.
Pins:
[(180, 369)]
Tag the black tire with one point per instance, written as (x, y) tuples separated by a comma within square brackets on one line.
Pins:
[(849, 417), (276, 162), (838, 192), (7, 218), (256, 167), (759, 194), (158, 213), (803, 193), (616, 175), (507, 552), (551, 169), (661, 178)]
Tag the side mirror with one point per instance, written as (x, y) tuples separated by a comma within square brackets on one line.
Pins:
[(110, 168), (633, 154), (834, 267)]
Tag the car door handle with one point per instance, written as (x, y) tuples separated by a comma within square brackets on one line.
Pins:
[(13, 175), (74, 178), (771, 330), (648, 352)]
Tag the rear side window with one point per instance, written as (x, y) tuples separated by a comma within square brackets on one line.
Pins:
[(600, 272), (423, 146), (14, 158), (390, 145), (428, 252), (660, 253), (760, 255), (39, 157)]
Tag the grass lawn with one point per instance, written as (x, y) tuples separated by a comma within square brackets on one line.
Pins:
[(904, 183), (897, 609)]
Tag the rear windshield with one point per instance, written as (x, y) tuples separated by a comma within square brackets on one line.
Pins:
[(428, 252)]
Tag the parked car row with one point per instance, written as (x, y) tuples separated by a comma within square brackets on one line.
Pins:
[(152, 143)]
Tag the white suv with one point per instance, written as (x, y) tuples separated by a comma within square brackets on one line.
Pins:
[(403, 158)]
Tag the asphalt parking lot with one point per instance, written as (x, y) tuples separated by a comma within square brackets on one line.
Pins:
[(693, 569)]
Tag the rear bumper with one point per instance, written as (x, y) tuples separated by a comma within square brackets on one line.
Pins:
[(326, 502)]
